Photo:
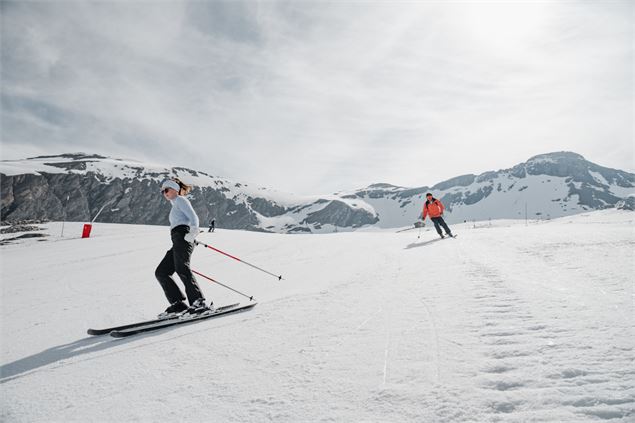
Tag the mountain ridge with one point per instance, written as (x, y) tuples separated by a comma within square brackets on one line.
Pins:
[(74, 186)]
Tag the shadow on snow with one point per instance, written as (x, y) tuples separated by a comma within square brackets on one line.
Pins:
[(90, 344), (423, 243)]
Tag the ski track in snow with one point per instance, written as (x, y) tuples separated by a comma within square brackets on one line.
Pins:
[(507, 323)]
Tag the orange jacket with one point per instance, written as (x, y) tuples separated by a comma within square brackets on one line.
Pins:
[(433, 208)]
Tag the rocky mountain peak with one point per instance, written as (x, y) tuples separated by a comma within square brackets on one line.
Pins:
[(557, 156)]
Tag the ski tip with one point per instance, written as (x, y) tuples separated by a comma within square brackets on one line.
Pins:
[(97, 332)]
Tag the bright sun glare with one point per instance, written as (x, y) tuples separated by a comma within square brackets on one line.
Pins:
[(503, 25)]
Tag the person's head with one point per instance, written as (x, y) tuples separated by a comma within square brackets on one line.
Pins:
[(429, 196), (170, 189), (173, 187)]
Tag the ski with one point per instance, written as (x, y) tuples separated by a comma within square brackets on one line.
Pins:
[(185, 318), (106, 331)]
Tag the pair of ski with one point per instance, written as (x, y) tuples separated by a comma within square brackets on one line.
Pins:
[(156, 324)]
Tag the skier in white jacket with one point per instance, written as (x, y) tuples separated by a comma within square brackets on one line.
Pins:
[(183, 230)]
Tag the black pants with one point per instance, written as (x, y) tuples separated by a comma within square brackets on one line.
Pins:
[(177, 259), (438, 222)]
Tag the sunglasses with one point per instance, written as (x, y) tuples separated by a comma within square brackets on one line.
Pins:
[(165, 190)]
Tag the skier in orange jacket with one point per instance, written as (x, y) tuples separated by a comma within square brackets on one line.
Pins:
[(434, 208)]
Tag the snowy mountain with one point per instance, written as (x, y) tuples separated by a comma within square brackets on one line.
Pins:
[(546, 186), (509, 322), (79, 185)]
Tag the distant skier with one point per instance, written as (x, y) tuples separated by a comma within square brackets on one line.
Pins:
[(183, 230), (434, 208), (212, 225)]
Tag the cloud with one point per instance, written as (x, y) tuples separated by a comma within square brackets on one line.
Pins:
[(318, 97)]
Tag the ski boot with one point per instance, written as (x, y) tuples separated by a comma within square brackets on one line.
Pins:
[(174, 309), (199, 307)]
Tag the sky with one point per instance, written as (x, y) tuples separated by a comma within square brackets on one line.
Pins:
[(313, 97)]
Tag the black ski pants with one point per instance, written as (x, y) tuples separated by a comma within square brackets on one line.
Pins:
[(438, 223), (177, 259)]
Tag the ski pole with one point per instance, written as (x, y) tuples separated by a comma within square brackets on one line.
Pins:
[(251, 298), (419, 225), (237, 259), (404, 230)]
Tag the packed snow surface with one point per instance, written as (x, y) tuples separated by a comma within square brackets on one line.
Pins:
[(509, 322)]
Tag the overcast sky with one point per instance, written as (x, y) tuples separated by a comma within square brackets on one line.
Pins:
[(313, 97)]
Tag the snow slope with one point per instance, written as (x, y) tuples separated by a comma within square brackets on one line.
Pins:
[(508, 322)]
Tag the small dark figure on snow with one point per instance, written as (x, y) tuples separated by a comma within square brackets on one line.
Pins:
[(212, 225), (434, 208)]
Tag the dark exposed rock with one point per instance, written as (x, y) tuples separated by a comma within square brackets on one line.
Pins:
[(450, 200), (627, 204), (79, 197), (23, 222), (519, 171), (462, 181), (339, 213), (73, 156), (473, 198), (265, 207), (15, 238), (596, 199), (299, 229), (19, 228), (486, 176), (408, 193), (69, 165)]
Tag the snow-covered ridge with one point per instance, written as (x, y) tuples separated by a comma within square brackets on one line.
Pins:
[(546, 186), (248, 206), (115, 168)]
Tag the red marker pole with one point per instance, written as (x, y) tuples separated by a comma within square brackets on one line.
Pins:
[(237, 259)]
